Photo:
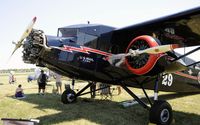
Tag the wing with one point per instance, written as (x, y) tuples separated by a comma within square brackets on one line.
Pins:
[(182, 28)]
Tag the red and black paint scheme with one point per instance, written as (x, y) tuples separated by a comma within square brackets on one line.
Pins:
[(96, 53)]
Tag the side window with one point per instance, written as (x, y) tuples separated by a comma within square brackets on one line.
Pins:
[(80, 38), (87, 40), (104, 42)]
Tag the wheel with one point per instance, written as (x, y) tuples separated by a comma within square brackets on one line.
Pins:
[(68, 96), (161, 113)]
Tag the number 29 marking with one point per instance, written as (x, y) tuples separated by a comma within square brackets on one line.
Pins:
[(167, 80)]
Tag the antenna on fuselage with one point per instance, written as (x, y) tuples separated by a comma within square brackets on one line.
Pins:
[(88, 22)]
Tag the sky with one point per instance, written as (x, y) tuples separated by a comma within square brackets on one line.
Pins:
[(15, 15)]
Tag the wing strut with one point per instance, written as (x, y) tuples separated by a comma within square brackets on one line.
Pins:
[(193, 64), (188, 53)]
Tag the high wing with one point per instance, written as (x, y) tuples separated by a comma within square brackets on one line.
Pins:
[(182, 28)]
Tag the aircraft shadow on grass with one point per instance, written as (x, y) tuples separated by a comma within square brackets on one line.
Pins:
[(104, 112)]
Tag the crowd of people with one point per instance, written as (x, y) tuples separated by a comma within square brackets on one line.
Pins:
[(42, 82)]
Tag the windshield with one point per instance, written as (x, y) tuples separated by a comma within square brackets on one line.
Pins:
[(71, 32)]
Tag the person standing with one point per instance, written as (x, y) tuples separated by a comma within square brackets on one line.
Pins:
[(11, 77), (58, 83), (92, 89), (42, 79)]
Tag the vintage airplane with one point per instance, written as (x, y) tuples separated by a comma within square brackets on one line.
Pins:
[(140, 56)]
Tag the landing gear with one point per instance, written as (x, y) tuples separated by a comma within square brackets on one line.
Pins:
[(161, 113), (68, 96)]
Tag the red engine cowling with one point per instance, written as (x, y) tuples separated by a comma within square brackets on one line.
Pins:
[(143, 63)]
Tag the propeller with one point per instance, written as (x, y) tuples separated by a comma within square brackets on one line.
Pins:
[(153, 50), (132, 53), (24, 35)]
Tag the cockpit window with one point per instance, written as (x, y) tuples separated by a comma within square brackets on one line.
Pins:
[(84, 34), (80, 36), (71, 32)]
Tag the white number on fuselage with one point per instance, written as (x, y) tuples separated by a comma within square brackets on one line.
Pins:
[(167, 80)]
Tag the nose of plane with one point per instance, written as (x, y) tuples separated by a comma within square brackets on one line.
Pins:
[(32, 46)]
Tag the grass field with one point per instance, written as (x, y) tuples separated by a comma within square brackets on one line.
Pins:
[(50, 111)]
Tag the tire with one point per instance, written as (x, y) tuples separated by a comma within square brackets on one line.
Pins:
[(161, 113), (68, 96)]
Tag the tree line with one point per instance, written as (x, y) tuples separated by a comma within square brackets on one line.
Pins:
[(17, 70)]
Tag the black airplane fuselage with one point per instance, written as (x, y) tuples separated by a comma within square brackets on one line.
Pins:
[(140, 56), (80, 51)]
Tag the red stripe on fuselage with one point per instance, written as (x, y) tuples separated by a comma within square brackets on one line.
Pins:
[(186, 75), (86, 50)]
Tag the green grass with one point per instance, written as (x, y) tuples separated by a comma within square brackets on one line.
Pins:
[(49, 109)]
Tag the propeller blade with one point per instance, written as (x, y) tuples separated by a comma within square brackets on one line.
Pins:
[(24, 35), (132, 53), (159, 49), (16, 47), (28, 30)]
